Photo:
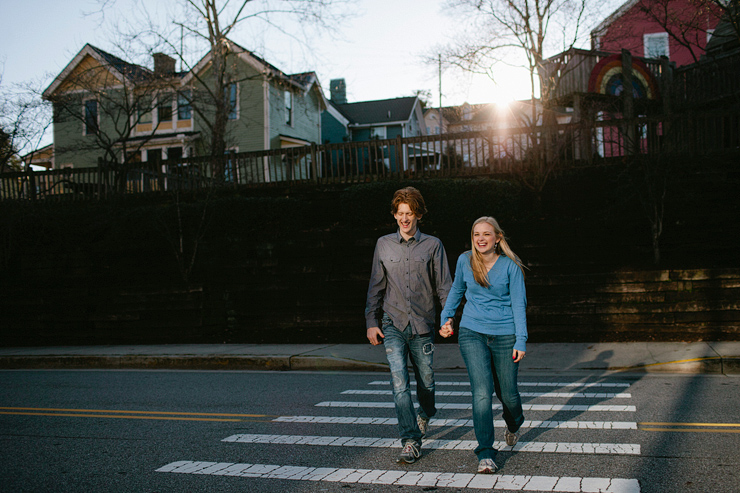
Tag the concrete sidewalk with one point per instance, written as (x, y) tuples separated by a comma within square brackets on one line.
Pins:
[(697, 357)]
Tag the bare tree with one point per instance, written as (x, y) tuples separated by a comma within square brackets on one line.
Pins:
[(24, 121), (498, 31), (98, 105), (214, 24), (502, 30)]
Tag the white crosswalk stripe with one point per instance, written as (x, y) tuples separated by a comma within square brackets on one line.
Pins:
[(603, 391), (462, 393), (586, 385), (434, 422), (463, 406), (336, 441), (410, 478)]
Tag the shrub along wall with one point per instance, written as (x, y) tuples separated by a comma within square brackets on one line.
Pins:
[(292, 265)]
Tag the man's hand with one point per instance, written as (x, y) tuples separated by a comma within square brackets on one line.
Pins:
[(375, 335), (446, 330)]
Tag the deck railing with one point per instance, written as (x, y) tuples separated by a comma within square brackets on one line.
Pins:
[(513, 151), (568, 73)]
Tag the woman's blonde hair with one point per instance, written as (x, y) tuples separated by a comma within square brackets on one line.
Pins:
[(476, 259)]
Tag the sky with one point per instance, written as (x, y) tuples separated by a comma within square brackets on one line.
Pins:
[(379, 55), (378, 51)]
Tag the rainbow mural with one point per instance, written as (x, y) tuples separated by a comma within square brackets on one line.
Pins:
[(606, 78)]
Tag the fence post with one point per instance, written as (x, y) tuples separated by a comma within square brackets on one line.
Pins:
[(31, 182), (100, 178), (400, 165), (314, 164), (630, 132)]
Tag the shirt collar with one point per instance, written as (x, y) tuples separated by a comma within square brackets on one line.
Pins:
[(416, 237)]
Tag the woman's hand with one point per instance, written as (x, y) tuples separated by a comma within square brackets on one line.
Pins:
[(446, 330), (518, 356)]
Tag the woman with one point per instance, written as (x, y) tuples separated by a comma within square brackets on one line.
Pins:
[(493, 332)]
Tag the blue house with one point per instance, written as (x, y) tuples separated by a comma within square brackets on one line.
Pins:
[(378, 122), (367, 120)]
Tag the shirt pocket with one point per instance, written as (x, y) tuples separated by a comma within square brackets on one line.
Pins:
[(392, 264)]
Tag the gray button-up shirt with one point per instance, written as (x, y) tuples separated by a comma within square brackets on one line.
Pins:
[(406, 277)]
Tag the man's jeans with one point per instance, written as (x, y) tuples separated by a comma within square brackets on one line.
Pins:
[(491, 367), (399, 346)]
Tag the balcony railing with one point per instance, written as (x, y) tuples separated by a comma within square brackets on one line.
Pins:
[(514, 151), (568, 73)]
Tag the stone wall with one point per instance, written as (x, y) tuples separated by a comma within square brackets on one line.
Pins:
[(311, 289)]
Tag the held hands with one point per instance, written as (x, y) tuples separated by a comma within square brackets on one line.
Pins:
[(446, 330), (518, 356), (375, 336)]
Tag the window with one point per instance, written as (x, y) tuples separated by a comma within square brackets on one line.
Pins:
[(184, 105), (91, 117), (656, 45), (232, 101), (164, 108), (288, 96), (145, 109), (377, 132)]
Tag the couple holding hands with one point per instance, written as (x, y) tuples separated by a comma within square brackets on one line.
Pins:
[(409, 272)]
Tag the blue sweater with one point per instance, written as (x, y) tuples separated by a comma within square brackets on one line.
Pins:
[(500, 309)]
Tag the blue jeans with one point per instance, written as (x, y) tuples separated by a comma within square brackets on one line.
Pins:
[(399, 346), (491, 367)]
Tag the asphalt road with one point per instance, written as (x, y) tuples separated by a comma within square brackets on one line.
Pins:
[(173, 431)]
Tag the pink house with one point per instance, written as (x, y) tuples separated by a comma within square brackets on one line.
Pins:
[(678, 29)]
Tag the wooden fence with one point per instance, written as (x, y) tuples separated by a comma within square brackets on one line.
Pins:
[(512, 151)]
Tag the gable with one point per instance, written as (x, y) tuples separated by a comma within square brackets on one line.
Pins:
[(88, 74)]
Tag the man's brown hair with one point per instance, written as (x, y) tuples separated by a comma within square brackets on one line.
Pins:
[(410, 196)]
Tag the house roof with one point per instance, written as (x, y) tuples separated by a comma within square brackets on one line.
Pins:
[(120, 68), (381, 111), (131, 70), (724, 37), (623, 9)]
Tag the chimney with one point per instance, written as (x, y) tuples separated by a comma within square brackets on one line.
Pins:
[(338, 91), (163, 64)]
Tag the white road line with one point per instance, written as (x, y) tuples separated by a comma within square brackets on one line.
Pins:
[(336, 441), (412, 478), (463, 406), (354, 420), (584, 385), (464, 393)]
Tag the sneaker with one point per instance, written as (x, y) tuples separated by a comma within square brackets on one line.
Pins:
[(423, 424), (487, 466), (409, 454), (511, 438)]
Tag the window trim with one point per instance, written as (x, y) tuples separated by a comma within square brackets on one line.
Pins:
[(189, 103), (162, 99), (661, 35), (85, 130), (235, 109), (288, 95)]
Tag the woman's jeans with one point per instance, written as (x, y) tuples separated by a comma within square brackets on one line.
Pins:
[(491, 367), (399, 346)]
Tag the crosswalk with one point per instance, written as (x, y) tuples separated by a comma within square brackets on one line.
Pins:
[(612, 397)]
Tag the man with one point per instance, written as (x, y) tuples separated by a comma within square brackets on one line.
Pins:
[(409, 270)]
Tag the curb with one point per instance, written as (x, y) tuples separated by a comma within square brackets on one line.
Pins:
[(711, 365), (269, 363)]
